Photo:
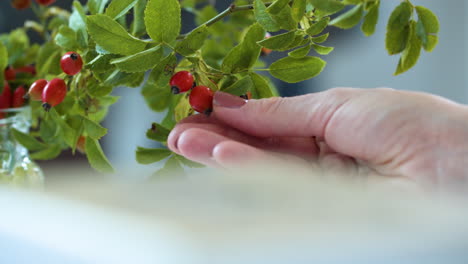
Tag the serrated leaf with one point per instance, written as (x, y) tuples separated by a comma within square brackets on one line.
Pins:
[(118, 8), (298, 9), (67, 133), (278, 42), (96, 156), (112, 36), (156, 91), (264, 18), (98, 90), (398, 28), (172, 168), (322, 50), (28, 141), (432, 42), (240, 87), (277, 6), (139, 62), (162, 20), (350, 18), (77, 22), (48, 59), (193, 42), (318, 27), (129, 79), (3, 63), (284, 19), (321, 39), (411, 54), (148, 156), (244, 55), (183, 109), (294, 70), (428, 25), (66, 38), (261, 88), (93, 129), (370, 20), (158, 133), (49, 153), (138, 25), (301, 52), (327, 6)]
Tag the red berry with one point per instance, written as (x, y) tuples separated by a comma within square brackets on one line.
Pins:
[(181, 82), (36, 89), (21, 4), (265, 51), (201, 99), (10, 74), (45, 2), (18, 97), (5, 97), (54, 93), (27, 69), (71, 63)]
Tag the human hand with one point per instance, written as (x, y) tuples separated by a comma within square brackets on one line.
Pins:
[(384, 132)]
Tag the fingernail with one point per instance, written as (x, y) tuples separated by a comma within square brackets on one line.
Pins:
[(228, 100)]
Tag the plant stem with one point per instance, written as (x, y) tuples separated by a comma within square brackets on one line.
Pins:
[(231, 9)]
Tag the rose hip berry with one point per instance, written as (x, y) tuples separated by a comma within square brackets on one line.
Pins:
[(27, 69), (10, 74), (21, 4), (201, 99), (45, 2), (5, 97), (71, 63), (36, 89), (18, 97), (181, 82), (265, 51), (54, 93)]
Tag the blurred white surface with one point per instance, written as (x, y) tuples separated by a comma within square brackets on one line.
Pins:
[(229, 220)]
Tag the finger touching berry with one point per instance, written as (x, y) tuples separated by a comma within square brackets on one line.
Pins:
[(201, 99)]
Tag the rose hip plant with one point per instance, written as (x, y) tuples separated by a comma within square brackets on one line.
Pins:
[(97, 46)]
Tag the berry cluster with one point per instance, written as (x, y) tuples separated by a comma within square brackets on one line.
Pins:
[(200, 98), (50, 93)]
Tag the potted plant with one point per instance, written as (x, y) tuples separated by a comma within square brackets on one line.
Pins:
[(86, 52)]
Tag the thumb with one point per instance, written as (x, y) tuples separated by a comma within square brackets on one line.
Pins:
[(301, 116)]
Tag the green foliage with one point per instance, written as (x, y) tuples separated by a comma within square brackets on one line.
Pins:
[(121, 40)]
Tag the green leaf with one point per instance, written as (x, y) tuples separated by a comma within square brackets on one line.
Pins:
[(183, 109), (193, 42), (162, 20), (277, 6), (264, 18), (68, 133), (96, 156), (97, 6), (327, 6), (66, 38), (278, 42), (261, 88), (139, 62), (294, 70), (172, 168), (189, 163), (370, 20), (158, 133), (428, 26), (322, 50), (284, 19), (298, 9), (156, 91), (3, 63), (49, 153), (318, 27), (148, 156), (118, 8), (112, 36), (138, 25), (77, 22), (321, 39), (240, 87), (301, 52), (48, 59), (93, 129), (349, 19), (28, 141), (244, 55), (398, 28), (411, 54)]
